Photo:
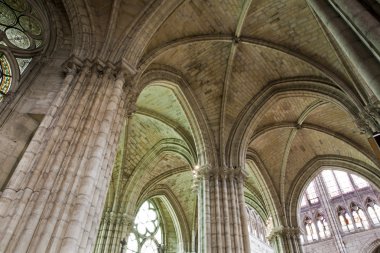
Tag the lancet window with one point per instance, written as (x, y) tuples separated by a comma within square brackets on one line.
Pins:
[(373, 211), (360, 218), (323, 227)]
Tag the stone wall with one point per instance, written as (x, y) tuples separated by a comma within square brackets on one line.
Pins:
[(354, 242)]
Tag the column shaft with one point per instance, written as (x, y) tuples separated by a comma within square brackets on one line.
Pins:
[(360, 56), (222, 197), (54, 200)]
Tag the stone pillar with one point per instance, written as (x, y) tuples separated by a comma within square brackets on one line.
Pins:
[(113, 228), (54, 200), (332, 216), (223, 225), (366, 26), (361, 57), (286, 239)]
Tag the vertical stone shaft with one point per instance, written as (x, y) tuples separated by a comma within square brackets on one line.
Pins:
[(244, 216), (287, 239), (28, 183), (53, 201), (94, 219), (330, 211), (361, 57), (83, 199), (227, 224), (219, 218), (66, 179), (235, 217), (227, 209), (362, 21)]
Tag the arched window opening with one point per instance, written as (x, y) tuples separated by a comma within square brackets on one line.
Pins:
[(21, 38), (147, 234), (336, 202), (311, 231), (345, 220), (359, 217), (323, 228), (373, 211)]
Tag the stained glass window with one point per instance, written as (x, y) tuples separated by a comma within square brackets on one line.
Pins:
[(5, 75), (20, 24), (21, 38), (147, 236)]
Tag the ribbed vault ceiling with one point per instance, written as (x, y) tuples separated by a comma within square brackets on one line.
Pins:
[(228, 52)]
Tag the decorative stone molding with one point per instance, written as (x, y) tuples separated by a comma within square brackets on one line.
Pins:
[(206, 172), (284, 232), (368, 121)]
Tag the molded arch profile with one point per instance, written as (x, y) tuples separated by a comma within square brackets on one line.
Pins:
[(165, 146), (268, 193), (257, 203), (243, 128), (148, 58), (171, 79), (177, 214), (372, 247), (313, 168)]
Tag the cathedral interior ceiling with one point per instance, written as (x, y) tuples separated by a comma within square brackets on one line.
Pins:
[(228, 52)]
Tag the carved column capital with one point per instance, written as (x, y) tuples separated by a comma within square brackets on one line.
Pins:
[(368, 120), (282, 231), (72, 66)]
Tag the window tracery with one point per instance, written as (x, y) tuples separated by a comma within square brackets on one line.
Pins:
[(323, 228), (345, 219), (147, 234), (359, 217), (21, 38), (311, 231), (373, 211), (352, 197)]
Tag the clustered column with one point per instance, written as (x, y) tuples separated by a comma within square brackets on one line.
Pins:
[(362, 55), (54, 200), (113, 228), (286, 239), (222, 214)]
